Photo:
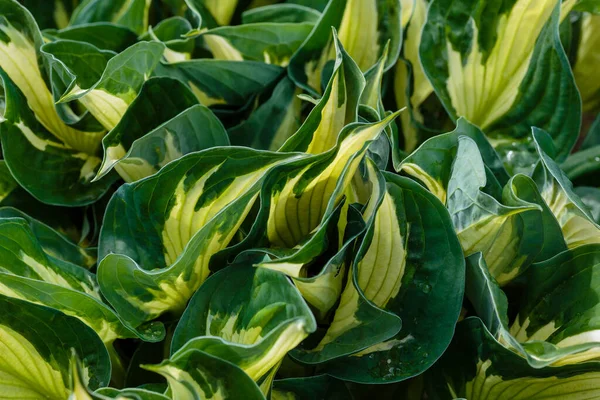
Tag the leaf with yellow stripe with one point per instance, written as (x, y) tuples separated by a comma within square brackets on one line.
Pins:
[(502, 66), (550, 348), (269, 42), (222, 82), (32, 128), (29, 274), (250, 317), (478, 367), (508, 230), (337, 107), (132, 14), (364, 27), (195, 374), (108, 95), (37, 344), (398, 269), (171, 32), (412, 88), (586, 76), (163, 123), (53, 242), (306, 192), (431, 163), (164, 229), (577, 224)]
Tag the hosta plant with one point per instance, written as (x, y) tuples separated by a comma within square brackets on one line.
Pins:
[(307, 199)]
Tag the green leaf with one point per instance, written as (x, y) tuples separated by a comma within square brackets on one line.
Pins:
[(431, 163), (194, 129), (502, 67), (166, 240), (476, 366), (132, 14), (213, 12), (411, 87), (54, 243), (27, 273), (103, 35), (248, 316), (38, 342), (129, 393), (29, 150), (273, 122), (50, 14), (170, 31), (591, 198), (364, 28), (123, 76), (159, 100), (217, 82), (307, 192), (314, 387), (280, 13), (510, 234), (559, 307), (271, 43), (573, 216), (195, 374), (586, 76), (398, 269), (337, 108)]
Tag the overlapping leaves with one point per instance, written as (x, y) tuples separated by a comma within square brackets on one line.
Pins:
[(224, 199)]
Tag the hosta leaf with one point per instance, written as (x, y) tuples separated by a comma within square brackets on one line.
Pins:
[(431, 163), (412, 89), (502, 66), (27, 273), (281, 13), (337, 107), (20, 45), (248, 316), (307, 192), (214, 12), (195, 374), (194, 129), (29, 149), (129, 393), (50, 14), (583, 163), (170, 31), (273, 122), (323, 290), (271, 43), (222, 82), (167, 240), (371, 95), (398, 268), (103, 35), (477, 367), (7, 183), (591, 198), (123, 75), (132, 14), (559, 307), (36, 346), (320, 386), (510, 234), (586, 76), (54, 243), (159, 100), (573, 216), (364, 28)]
